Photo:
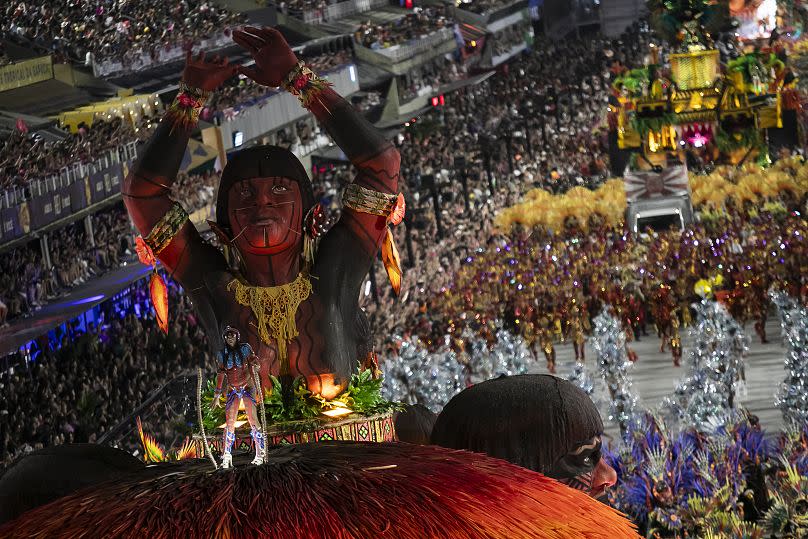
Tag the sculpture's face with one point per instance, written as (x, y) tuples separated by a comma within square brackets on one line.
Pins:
[(266, 215), (230, 339)]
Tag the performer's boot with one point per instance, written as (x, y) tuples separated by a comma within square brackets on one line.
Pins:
[(227, 454), (260, 448)]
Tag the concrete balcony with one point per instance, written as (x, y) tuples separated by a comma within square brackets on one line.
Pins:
[(336, 11), (277, 109), (400, 59), (493, 15), (137, 60)]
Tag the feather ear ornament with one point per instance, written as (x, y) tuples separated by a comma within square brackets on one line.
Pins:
[(392, 261)]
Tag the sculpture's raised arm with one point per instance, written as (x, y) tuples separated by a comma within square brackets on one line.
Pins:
[(146, 190)]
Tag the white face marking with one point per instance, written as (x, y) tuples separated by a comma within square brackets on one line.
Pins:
[(590, 445)]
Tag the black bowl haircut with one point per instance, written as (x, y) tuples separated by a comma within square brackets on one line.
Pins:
[(530, 420)]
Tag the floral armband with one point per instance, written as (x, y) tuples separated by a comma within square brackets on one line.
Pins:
[(184, 110), (305, 84), (152, 245)]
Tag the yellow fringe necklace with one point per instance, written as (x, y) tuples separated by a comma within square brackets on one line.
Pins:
[(274, 308)]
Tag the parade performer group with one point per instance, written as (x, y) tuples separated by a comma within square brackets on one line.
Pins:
[(648, 279)]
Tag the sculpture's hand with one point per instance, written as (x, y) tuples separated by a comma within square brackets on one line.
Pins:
[(217, 401), (274, 59), (206, 74)]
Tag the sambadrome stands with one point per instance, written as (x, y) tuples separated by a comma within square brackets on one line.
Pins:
[(200, 201)]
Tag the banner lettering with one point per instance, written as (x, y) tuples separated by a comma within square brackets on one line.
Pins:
[(27, 72)]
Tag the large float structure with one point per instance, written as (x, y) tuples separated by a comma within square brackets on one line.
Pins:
[(696, 103), (699, 108)]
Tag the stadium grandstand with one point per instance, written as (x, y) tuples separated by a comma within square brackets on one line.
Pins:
[(530, 134)]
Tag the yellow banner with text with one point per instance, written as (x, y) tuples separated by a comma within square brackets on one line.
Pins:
[(26, 72)]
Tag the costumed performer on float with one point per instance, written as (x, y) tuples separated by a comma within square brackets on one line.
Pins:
[(298, 312), (537, 421), (238, 364)]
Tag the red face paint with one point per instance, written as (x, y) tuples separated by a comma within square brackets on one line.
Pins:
[(265, 215)]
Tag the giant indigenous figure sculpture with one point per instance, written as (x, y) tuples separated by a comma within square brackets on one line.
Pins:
[(298, 312)]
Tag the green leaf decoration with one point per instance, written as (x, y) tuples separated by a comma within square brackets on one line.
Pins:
[(644, 124), (363, 396), (743, 138), (632, 81), (211, 417)]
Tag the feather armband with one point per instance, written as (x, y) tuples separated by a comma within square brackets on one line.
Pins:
[(150, 247), (305, 84), (184, 110), (392, 207)]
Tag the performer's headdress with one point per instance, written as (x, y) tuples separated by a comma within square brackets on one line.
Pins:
[(263, 162), (531, 420), (230, 330)]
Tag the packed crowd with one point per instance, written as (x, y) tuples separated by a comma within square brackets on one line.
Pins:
[(367, 101), (420, 22), (25, 280), (429, 77), (241, 91), (297, 7), (89, 378), (567, 144), (26, 283), (112, 30), (565, 150), (510, 37), (27, 156)]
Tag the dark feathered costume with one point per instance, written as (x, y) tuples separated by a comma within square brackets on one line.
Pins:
[(53, 472), (414, 425), (338, 490)]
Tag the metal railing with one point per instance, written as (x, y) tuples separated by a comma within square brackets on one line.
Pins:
[(179, 392), (139, 60), (336, 11), (486, 18), (398, 53), (13, 197)]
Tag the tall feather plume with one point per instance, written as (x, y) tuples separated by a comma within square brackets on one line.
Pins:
[(152, 452)]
